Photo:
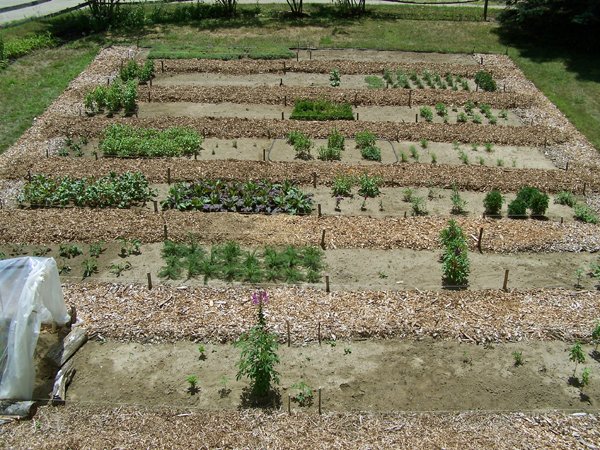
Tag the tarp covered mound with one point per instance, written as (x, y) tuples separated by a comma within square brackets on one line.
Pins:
[(30, 294)]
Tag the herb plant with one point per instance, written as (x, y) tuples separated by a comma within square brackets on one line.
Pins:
[(455, 259), (426, 113), (342, 186), (321, 110), (334, 78), (369, 185), (493, 203)]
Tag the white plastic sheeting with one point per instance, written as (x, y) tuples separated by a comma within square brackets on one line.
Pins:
[(30, 294)]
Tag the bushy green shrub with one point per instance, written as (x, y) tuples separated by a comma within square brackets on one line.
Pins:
[(342, 186), (517, 209), (565, 198), (365, 139), (368, 186), (321, 110), (117, 96), (426, 113), (336, 140), (301, 143), (371, 153), (485, 81), (455, 259), (535, 200), (132, 70), (585, 214), (493, 203)]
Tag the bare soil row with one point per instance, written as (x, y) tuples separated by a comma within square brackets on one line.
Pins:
[(94, 426), (366, 97), (470, 178), (499, 68), (46, 226), (132, 312)]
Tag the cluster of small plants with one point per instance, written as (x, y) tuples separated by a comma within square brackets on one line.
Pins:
[(125, 141), (120, 191), (89, 265), (409, 80), (581, 211), (528, 198), (72, 146), (16, 48), (455, 258), (230, 263), (418, 206), (366, 142), (301, 143), (458, 203), (368, 186), (335, 147), (474, 113), (234, 196), (321, 110), (463, 156), (132, 71), (112, 99)]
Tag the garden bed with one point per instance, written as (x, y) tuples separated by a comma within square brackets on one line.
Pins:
[(354, 376)]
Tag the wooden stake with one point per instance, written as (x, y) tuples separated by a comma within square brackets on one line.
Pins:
[(285, 100), (29, 175), (479, 240), (149, 100), (297, 58), (282, 115), (416, 118), (327, 289), (162, 66), (47, 153), (319, 333), (567, 166), (505, 284), (310, 54), (314, 177), (405, 214), (107, 81), (287, 324), (323, 239), (149, 276), (284, 69), (561, 220), (320, 411), (168, 175), (504, 88), (289, 404), (357, 116), (319, 210), (165, 233), (155, 202), (150, 81), (355, 97), (96, 155), (264, 154), (281, 82), (584, 186), (481, 58)]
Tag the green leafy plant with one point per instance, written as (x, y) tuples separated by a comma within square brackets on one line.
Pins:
[(321, 110), (461, 118), (224, 391), (500, 162), (407, 194), (578, 276), (117, 269), (125, 141), (493, 203), (481, 161), (403, 157), (336, 140), (577, 356), (503, 114), (517, 209), (303, 394), (426, 113), (374, 82), (202, 351), (334, 78), (369, 185), (69, 251), (329, 154), (301, 143), (414, 154), (463, 157), (424, 143), (518, 358), (418, 206), (433, 158), (129, 247), (365, 139), (596, 336), (585, 214), (441, 109), (458, 203), (489, 147), (96, 249), (258, 353), (455, 259), (90, 267), (342, 186), (485, 81), (565, 198), (192, 381), (469, 107), (371, 153), (477, 118), (535, 200)]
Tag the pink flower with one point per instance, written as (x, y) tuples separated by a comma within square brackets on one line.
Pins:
[(260, 297)]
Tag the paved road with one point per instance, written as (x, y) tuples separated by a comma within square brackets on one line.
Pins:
[(54, 6)]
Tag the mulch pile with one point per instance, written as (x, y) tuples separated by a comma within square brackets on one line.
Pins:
[(46, 226), (170, 313), (95, 426)]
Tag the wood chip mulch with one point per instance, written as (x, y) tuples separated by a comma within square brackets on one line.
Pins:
[(473, 178), (95, 426), (47, 226), (171, 313)]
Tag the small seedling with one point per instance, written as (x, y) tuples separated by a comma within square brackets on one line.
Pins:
[(489, 147), (332, 343), (474, 147), (96, 249), (413, 153), (41, 251), (193, 384), (304, 394), (90, 267), (118, 269), (381, 205), (334, 78), (466, 359), (578, 275), (129, 247), (234, 144), (407, 195), (224, 391), (500, 162), (433, 158), (418, 206), (424, 143), (347, 351), (576, 355), (596, 336), (518, 358), (69, 251), (202, 352), (481, 161), (403, 157), (381, 274), (585, 377)]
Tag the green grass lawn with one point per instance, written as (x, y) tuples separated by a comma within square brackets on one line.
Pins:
[(29, 85)]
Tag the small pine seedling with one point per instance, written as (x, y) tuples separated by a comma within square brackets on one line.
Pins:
[(518, 358)]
